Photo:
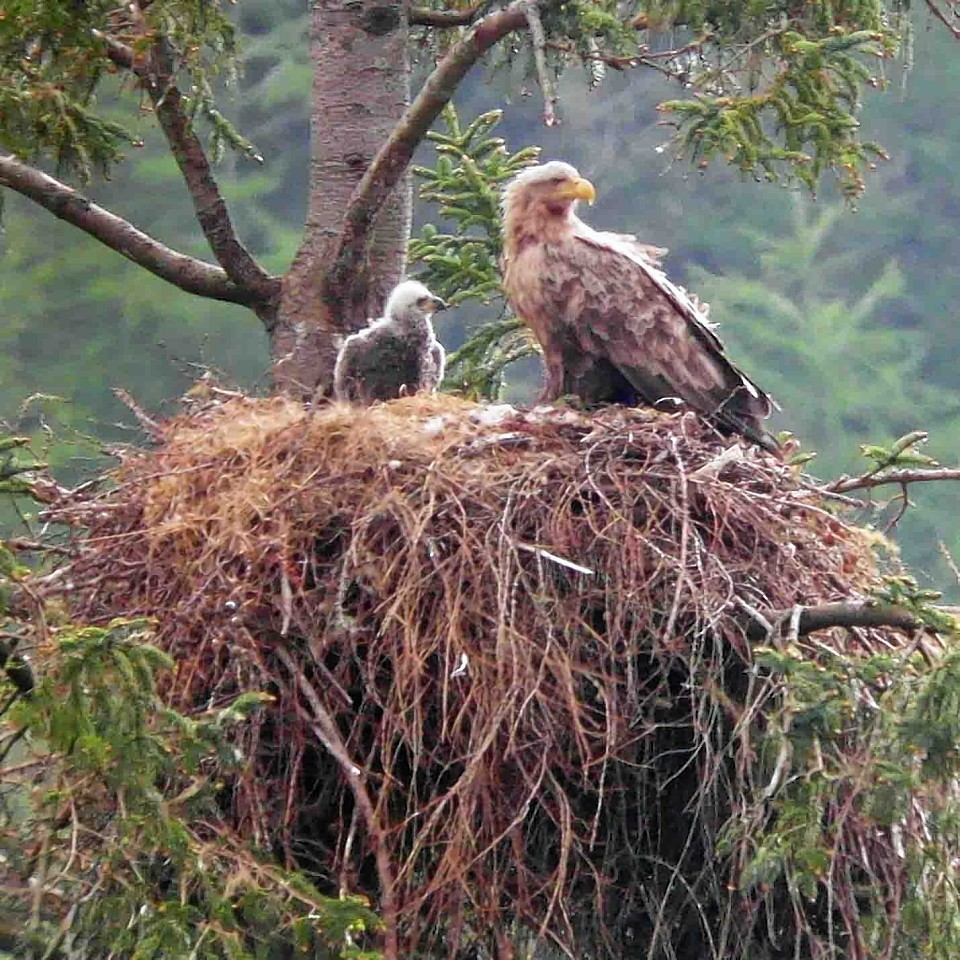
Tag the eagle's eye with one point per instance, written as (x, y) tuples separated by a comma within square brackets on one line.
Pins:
[(423, 302), (556, 181)]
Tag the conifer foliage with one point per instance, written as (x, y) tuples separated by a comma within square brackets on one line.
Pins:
[(828, 824), (112, 833), (772, 88), (463, 264), (54, 58)]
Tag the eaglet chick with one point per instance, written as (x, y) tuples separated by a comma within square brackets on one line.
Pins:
[(397, 353)]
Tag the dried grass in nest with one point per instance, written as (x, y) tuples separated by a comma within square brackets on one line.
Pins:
[(506, 651)]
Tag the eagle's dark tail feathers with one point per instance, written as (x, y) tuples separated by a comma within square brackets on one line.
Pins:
[(748, 429), (740, 412), (743, 413)]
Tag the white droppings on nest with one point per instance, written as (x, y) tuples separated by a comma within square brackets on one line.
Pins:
[(546, 411), (435, 425), (486, 416), (514, 439), (714, 468), (555, 558), (493, 414)]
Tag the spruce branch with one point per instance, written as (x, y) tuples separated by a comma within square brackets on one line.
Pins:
[(901, 463), (898, 602), (901, 477), (187, 273), (394, 156), (155, 75), (799, 119), (465, 184)]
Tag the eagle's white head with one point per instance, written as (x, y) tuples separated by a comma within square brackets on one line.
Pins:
[(411, 302), (539, 204), (553, 187)]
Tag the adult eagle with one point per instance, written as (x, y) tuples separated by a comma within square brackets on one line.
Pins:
[(613, 328)]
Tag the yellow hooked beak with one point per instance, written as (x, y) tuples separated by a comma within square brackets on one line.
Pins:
[(578, 189)]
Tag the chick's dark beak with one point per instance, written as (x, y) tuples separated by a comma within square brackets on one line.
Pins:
[(439, 304)]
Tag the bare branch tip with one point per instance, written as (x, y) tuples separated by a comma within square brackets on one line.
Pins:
[(538, 40)]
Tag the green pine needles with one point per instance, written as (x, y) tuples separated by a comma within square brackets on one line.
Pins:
[(55, 57), (463, 264), (777, 87), (471, 169), (13, 464), (111, 802), (868, 745), (774, 89)]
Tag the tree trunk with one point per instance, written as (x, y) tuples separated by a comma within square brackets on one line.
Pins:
[(361, 86)]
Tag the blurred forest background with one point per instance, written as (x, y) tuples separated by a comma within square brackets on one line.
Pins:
[(846, 316)]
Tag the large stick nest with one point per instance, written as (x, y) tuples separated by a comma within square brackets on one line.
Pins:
[(507, 651)]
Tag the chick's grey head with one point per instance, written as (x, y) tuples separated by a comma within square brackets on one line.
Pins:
[(411, 301)]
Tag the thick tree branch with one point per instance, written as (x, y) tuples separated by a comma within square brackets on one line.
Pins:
[(421, 17), (393, 157), (900, 476), (847, 614), (156, 78), (187, 273)]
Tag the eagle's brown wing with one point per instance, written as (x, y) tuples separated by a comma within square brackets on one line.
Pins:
[(623, 315)]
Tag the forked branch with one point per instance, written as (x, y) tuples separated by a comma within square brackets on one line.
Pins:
[(155, 74), (187, 273), (392, 159)]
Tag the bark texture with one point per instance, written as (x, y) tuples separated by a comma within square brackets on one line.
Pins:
[(361, 88), (390, 165), (155, 70)]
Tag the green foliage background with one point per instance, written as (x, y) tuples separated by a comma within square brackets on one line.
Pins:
[(148, 854)]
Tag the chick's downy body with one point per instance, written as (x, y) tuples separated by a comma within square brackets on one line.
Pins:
[(396, 354)]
